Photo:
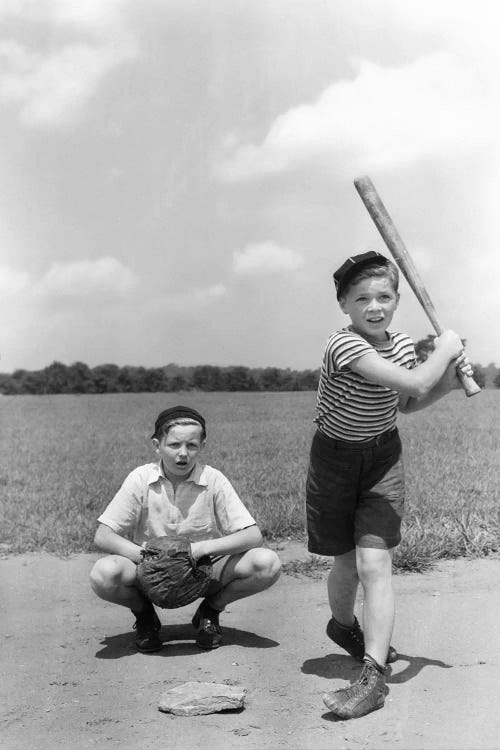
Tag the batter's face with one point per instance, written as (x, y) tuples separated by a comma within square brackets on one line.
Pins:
[(179, 449), (370, 304)]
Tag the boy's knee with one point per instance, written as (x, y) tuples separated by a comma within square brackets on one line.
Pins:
[(266, 564), (106, 574), (374, 567)]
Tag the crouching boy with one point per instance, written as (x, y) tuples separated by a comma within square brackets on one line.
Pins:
[(179, 496)]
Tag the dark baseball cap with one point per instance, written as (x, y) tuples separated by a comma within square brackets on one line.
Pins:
[(178, 412), (352, 265)]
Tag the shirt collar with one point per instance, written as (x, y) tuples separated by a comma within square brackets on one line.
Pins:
[(197, 476)]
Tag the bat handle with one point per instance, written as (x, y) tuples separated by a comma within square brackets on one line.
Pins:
[(466, 381), (468, 384)]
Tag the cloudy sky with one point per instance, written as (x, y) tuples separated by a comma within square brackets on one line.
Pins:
[(176, 176)]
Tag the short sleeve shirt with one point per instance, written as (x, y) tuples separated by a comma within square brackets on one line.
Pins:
[(205, 506), (348, 406)]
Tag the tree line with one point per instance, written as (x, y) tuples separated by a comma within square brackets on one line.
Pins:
[(110, 378)]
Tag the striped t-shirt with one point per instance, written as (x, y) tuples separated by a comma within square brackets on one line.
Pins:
[(348, 406)]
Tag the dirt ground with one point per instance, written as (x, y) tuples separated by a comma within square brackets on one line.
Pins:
[(70, 678)]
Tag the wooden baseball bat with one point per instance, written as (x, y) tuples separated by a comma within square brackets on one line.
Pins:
[(395, 244)]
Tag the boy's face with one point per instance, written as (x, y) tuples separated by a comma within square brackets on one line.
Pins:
[(179, 449), (370, 304)]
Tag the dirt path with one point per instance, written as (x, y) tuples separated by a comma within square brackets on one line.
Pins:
[(71, 680)]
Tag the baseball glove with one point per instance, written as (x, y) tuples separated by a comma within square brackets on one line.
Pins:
[(169, 576)]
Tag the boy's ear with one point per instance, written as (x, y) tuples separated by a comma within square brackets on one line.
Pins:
[(342, 304), (156, 444)]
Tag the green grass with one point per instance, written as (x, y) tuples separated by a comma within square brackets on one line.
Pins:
[(63, 457)]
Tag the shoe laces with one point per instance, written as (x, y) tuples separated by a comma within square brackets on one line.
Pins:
[(361, 685)]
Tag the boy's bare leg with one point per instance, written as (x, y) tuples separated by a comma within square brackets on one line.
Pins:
[(247, 574), (113, 579), (342, 587), (375, 574)]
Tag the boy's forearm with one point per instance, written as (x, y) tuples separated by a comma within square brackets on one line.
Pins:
[(428, 378), (109, 541), (416, 404), (445, 384), (232, 544)]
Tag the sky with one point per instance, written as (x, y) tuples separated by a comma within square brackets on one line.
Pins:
[(176, 176)]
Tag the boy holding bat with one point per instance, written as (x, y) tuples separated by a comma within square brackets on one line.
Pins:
[(177, 496), (355, 482)]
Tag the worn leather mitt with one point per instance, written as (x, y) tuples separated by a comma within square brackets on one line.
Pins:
[(169, 576)]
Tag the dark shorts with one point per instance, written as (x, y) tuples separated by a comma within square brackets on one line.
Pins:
[(355, 494)]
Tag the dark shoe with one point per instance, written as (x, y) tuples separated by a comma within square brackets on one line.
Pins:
[(352, 640), (363, 696), (206, 622), (146, 626)]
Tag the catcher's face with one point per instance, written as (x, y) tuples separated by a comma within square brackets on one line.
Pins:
[(179, 449)]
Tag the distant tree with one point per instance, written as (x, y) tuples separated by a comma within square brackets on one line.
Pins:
[(9, 385), (491, 372), (238, 379), (424, 347), (207, 378), (479, 375), (289, 380), (308, 380), (79, 379), (29, 382), (55, 378), (270, 379), (129, 378), (106, 378), (155, 380), (177, 383), (496, 380)]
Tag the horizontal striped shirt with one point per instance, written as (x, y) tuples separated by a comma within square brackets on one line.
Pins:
[(348, 406)]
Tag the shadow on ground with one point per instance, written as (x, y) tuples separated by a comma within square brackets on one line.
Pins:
[(340, 666), (178, 640)]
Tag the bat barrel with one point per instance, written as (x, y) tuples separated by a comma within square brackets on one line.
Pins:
[(396, 246)]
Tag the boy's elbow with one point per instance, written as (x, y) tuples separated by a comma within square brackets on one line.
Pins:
[(417, 393), (417, 388)]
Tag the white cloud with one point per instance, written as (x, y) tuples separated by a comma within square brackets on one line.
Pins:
[(264, 258), (89, 15), (51, 86), (12, 282), (105, 276), (217, 290), (439, 105), (187, 301)]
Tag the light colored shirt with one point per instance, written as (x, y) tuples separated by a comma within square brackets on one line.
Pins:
[(348, 406), (204, 506)]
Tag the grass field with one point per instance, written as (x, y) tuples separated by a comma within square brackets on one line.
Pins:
[(63, 457)]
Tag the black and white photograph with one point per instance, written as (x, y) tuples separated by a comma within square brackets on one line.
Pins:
[(249, 374)]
